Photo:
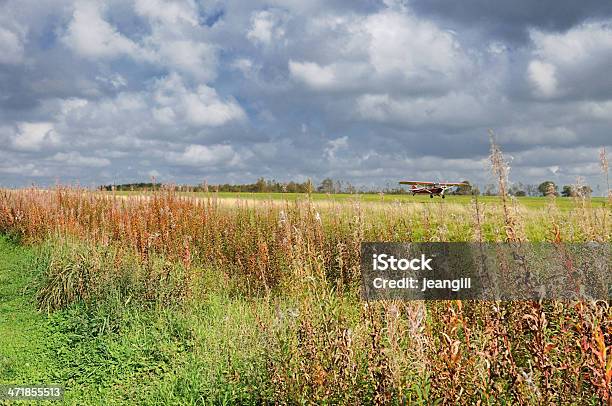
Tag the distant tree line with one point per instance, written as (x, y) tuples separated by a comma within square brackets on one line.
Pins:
[(329, 185), (130, 186), (260, 186), (546, 188)]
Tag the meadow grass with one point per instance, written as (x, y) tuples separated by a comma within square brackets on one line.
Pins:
[(526, 201), (114, 352), (23, 358), (167, 298)]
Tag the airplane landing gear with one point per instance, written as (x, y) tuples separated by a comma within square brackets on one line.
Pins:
[(431, 196), (443, 196)]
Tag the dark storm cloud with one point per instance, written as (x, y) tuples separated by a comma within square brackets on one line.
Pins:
[(511, 20)]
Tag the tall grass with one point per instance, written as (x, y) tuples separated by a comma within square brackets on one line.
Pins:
[(301, 333)]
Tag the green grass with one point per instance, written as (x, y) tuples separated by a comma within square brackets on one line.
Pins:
[(24, 358), (530, 202), (113, 352)]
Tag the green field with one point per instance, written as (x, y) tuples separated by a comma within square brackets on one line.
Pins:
[(531, 202)]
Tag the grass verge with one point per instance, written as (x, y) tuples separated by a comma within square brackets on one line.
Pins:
[(24, 358)]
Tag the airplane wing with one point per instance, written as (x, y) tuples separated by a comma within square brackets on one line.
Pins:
[(414, 182), (452, 184)]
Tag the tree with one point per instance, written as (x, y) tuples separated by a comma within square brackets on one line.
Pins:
[(517, 189), (464, 189), (548, 188), (326, 186), (567, 191), (490, 190), (260, 185), (584, 191), (532, 190), (350, 188), (575, 190)]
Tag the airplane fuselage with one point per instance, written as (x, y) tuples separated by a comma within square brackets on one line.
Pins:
[(428, 191)]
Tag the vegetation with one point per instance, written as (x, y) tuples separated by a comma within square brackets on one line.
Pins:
[(23, 356), (367, 198), (338, 188), (261, 186), (548, 188), (165, 297)]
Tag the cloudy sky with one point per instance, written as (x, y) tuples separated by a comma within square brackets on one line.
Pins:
[(360, 90)]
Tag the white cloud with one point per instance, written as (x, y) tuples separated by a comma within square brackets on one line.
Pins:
[(247, 67), (243, 64), (314, 75), (414, 48), (267, 26), (91, 36), (201, 107), (199, 59), (164, 115), (543, 77), (20, 169), (175, 41), (581, 43), (334, 146), (575, 61), (388, 47), (34, 136), (127, 109), (202, 155), (68, 105), (168, 11), (11, 47), (74, 158), (204, 107), (132, 118)]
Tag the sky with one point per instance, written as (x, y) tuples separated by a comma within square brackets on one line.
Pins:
[(365, 91)]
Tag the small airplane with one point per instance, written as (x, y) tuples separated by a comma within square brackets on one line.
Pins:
[(431, 188)]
